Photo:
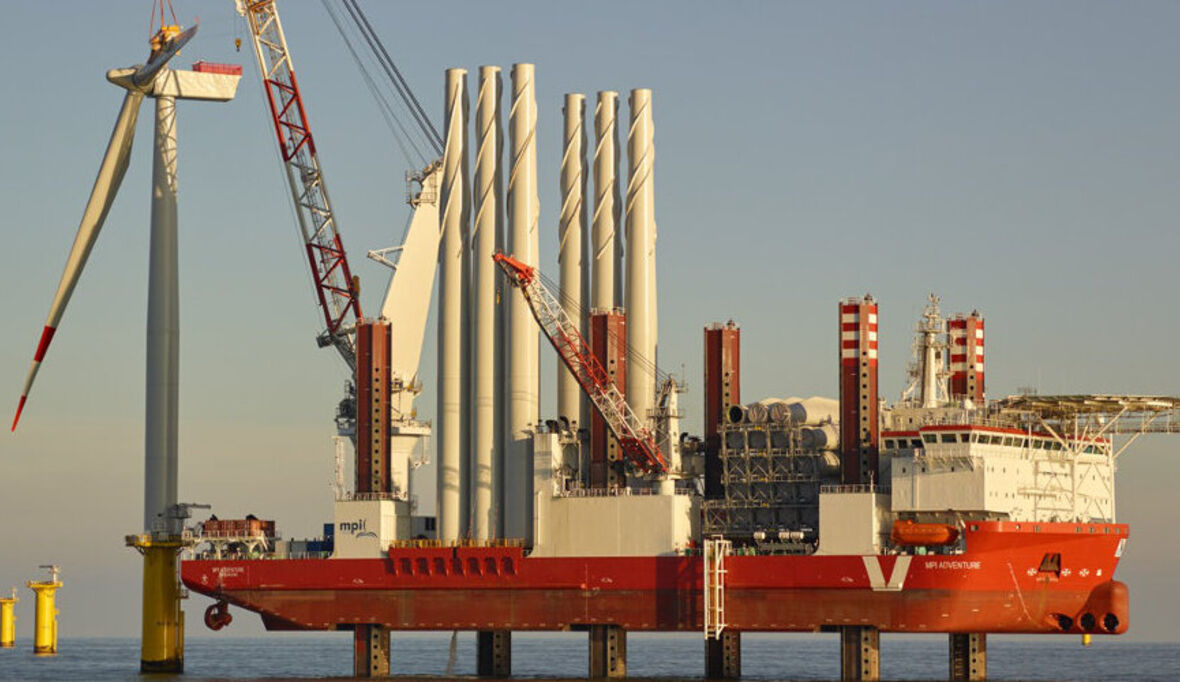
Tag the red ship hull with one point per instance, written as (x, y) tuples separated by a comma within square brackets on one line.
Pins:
[(1006, 581)]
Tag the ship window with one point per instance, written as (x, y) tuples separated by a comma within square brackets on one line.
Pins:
[(473, 565), (506, 564), (930, 437), (407, 566), (949, 437), (915, 443), (423, 566), (974, 437), (490, 564), (888, 443), (440, 566), (1008, 440)]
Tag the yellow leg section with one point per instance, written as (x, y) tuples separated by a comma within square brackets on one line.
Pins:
[(162, 648), (8, 621), (45, 622)]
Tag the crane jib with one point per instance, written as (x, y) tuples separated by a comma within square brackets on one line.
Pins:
[(634, 438), (335, 288)]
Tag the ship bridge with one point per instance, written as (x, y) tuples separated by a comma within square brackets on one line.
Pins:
[(1044, 458)]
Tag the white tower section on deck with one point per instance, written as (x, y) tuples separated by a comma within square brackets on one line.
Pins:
[(569, 249), (488, 228), (523, 391), (640, 257), (605, 219), (161, 467), (450, 312)]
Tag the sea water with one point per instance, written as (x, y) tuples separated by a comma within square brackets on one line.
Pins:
[(284, 656)]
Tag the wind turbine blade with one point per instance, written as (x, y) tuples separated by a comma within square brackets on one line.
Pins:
[(106, 185), (148, 71)]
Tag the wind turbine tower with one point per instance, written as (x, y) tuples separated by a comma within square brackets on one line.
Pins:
[(162, 647)]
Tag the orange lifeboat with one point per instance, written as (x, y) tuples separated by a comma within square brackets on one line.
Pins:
[(912, 534)]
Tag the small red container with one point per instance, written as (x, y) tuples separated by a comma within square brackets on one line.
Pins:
[(214, 67)]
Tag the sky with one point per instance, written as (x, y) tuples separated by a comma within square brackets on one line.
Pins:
[(1021, 159)]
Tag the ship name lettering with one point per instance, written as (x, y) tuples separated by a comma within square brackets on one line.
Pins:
[(952, 565)]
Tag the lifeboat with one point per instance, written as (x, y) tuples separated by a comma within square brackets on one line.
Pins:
[(911, 534)]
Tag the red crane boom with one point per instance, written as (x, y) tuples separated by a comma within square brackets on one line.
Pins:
[(335, 287), (635, 439)]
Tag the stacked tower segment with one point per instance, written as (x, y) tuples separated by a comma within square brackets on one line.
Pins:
[(570, 239), (522, 347), (487, 334), (640, 292), (859, 424), (965, 334), (452, 322)]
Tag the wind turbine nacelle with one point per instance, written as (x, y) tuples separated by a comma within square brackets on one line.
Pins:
[(198, 85)]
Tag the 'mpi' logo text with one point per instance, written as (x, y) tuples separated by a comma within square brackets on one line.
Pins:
[(352, 527)]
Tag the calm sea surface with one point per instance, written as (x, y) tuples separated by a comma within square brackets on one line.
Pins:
[(563, 655)]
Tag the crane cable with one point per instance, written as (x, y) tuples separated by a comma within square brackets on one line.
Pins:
[(395, 75), (645, 363), (392, 120)]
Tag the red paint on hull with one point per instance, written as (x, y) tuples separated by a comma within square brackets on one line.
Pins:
[(995, 586)]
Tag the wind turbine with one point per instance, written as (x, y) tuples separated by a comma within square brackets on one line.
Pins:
[(163, 629)]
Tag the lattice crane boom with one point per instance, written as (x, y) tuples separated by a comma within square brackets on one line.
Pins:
[(336, 290), (635, 439)]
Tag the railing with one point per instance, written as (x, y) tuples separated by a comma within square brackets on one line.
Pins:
[(371, 497), (855, 488), (423, 543), (617, 492)]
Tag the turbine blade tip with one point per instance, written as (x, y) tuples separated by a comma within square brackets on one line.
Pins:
[(19, 408)]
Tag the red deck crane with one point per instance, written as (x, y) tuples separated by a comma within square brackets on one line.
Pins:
[(335, 287), (635, 439)]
